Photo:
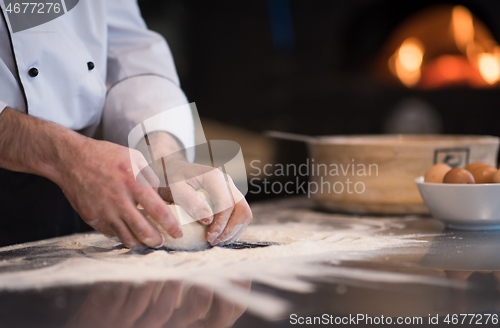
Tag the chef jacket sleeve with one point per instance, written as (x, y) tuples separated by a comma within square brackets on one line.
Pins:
[(142, 81)]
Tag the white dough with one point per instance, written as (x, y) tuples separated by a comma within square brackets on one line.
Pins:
[(194, 234)]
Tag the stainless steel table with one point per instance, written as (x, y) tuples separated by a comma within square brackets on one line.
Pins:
[(452, 277)]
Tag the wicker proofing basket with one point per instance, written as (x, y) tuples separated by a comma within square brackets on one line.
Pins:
[(399, 159)]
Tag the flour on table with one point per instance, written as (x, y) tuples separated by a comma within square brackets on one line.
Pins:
[(300, 252)]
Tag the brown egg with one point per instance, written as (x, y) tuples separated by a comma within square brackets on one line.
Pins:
[(458, 175), (496, 177), (475, 165), (436, 173), (482, 172)]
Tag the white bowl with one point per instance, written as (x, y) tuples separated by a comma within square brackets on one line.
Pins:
[(463, 206)]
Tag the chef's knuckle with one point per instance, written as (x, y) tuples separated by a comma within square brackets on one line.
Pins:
[(122, 167)]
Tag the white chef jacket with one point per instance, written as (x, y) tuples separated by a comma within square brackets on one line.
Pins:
[(134, 76)]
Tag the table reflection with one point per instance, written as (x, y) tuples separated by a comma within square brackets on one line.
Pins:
[(125, 305), (156, 304)]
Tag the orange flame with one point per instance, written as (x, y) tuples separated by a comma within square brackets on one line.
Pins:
[(462, 25), (489, 67), (407, 60)]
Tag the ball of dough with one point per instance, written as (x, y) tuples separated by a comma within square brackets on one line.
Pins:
[(194, 234)]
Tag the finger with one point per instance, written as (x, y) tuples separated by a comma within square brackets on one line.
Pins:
[(120, 294), (196, 304), (159, 313), (114, 308), (148, 178), (221, 313), (167, 299), (186, 197), (138, 301), (238, 311), (240, 308), (143, 173), (103, 227), (158, 211), (141, 228), (235, 237), (235, 192), (100, 295), (220, 222), (123, 233), (215, 184), (241, 216), (237, 234)]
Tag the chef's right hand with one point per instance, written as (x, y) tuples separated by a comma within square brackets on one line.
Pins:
[(98, 180), (97, 177)]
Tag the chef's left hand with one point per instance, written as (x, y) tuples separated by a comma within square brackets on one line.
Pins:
[(230, 213)]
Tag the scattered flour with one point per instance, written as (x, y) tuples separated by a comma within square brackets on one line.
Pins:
[(301, 252)]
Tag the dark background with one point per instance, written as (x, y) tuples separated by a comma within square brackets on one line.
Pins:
[(302, 66)]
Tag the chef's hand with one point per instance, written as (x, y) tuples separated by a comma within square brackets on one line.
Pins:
[(229, 215), (96, 176), (99, 182)]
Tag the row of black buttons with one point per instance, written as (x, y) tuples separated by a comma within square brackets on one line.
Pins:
[(33, 72)]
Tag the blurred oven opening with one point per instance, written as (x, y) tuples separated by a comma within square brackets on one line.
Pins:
[(440, 46)]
